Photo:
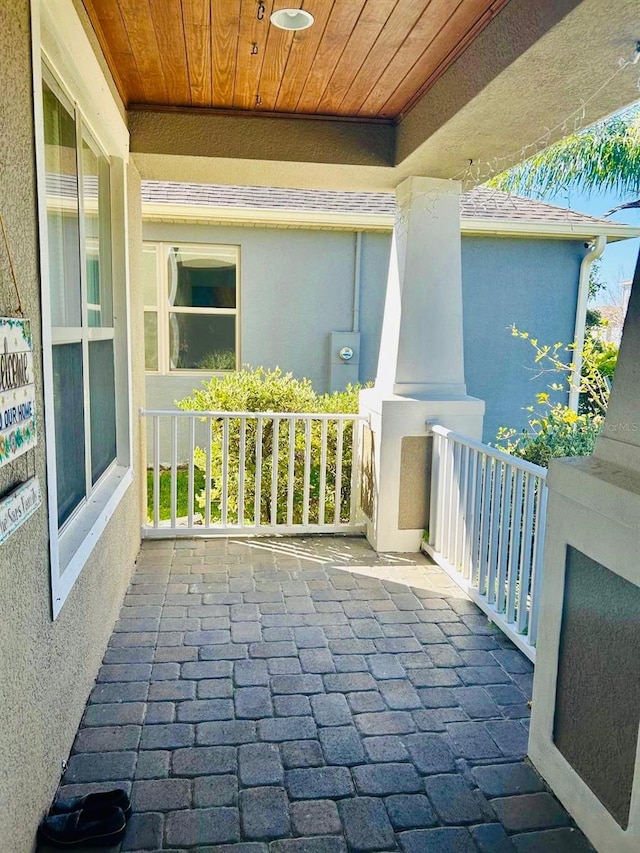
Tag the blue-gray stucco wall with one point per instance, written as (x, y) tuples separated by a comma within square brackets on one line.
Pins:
[(532, 284)]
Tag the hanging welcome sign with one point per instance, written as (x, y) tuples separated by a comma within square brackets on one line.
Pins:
[(18, 506), (17, 390)]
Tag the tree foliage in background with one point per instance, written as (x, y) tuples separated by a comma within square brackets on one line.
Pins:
[(605, 156), (261, 390), (596, 285), (555, 430)]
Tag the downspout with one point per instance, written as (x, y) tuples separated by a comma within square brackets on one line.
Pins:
[(596, 249), (355, 326)]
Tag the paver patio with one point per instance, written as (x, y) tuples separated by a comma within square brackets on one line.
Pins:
[(310, 696)]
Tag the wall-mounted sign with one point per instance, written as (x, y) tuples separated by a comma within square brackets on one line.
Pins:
[(17, 390), (18, 506)]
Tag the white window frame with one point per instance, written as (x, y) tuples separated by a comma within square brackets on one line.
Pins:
[(78, 77), (163, 309)]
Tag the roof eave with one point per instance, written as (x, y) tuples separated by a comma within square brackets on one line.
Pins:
[(273, 218), (613, 231), (359, 221)]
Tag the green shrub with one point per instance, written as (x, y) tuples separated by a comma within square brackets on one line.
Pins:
[(555, 430), (219, 359), (266, 391), (558, 432)]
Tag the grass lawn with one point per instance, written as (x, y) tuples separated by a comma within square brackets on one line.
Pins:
[(182, 492)]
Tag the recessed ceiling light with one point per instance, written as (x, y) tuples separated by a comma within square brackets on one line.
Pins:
[(292, 19)]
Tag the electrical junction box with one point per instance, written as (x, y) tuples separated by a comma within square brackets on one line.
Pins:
[(344, 359)]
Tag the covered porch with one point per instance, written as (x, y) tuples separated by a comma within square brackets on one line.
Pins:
[(308, 694)]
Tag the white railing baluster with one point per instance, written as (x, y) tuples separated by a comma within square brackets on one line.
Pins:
[(538, 553), (356, 436), (434, 494), (156, 472), (495, 531), (525, 557), (487, 527), (323, 471), (191, 477), (477, 521), (445, 457), (307, 471), (275, 460), (503, 552), (467, 558), (514, 551), (449, 491), (443, 496), (338, 481), (258, 475), (291, 470), (241, 469), (461, 503), (207, 475), (224, 501), (485, 512), (174, 471), (445, 461)]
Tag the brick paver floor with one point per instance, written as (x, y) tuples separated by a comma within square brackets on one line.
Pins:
[(310, 696)]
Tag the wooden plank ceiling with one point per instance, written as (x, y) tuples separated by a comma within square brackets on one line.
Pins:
[(370, 59)]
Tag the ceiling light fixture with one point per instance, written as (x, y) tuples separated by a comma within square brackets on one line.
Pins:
[(292, 19)]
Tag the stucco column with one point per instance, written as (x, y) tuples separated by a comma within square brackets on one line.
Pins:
[(420, 373), (585, 727)]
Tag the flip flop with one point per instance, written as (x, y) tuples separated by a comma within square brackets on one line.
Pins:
[(97, 801), (87, 826)]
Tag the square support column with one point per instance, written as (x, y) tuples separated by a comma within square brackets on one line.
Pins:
[(420, 373), (585, 727)]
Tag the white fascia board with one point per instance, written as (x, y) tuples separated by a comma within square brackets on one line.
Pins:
[(71, 57), (551, 230), (273, 218), (281, 218)]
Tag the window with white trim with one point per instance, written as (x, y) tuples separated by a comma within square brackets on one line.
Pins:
[(85, 360), (191, 307)]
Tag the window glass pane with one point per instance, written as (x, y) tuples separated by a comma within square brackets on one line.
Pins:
[(68, 404), (202, 278), (62, 211), (150, 275), (102, 400), (95, 186), (202, 341), (150, 340)]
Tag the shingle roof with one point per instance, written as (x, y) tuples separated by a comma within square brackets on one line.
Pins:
[(267, 198), (486, 203), (478, 203)]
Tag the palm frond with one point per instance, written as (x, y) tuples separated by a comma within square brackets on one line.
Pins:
[(605, 156)]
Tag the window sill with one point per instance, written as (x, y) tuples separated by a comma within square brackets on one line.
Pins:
[(77, 542)]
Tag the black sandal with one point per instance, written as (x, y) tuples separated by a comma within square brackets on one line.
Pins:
[(98, 801), (102, 828)]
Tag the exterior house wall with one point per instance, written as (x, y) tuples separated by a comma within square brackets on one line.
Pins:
[(532, 284), (47, 668), (296, 287)]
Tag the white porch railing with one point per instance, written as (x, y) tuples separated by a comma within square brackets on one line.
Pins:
[(253, 473), (486, 530)]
